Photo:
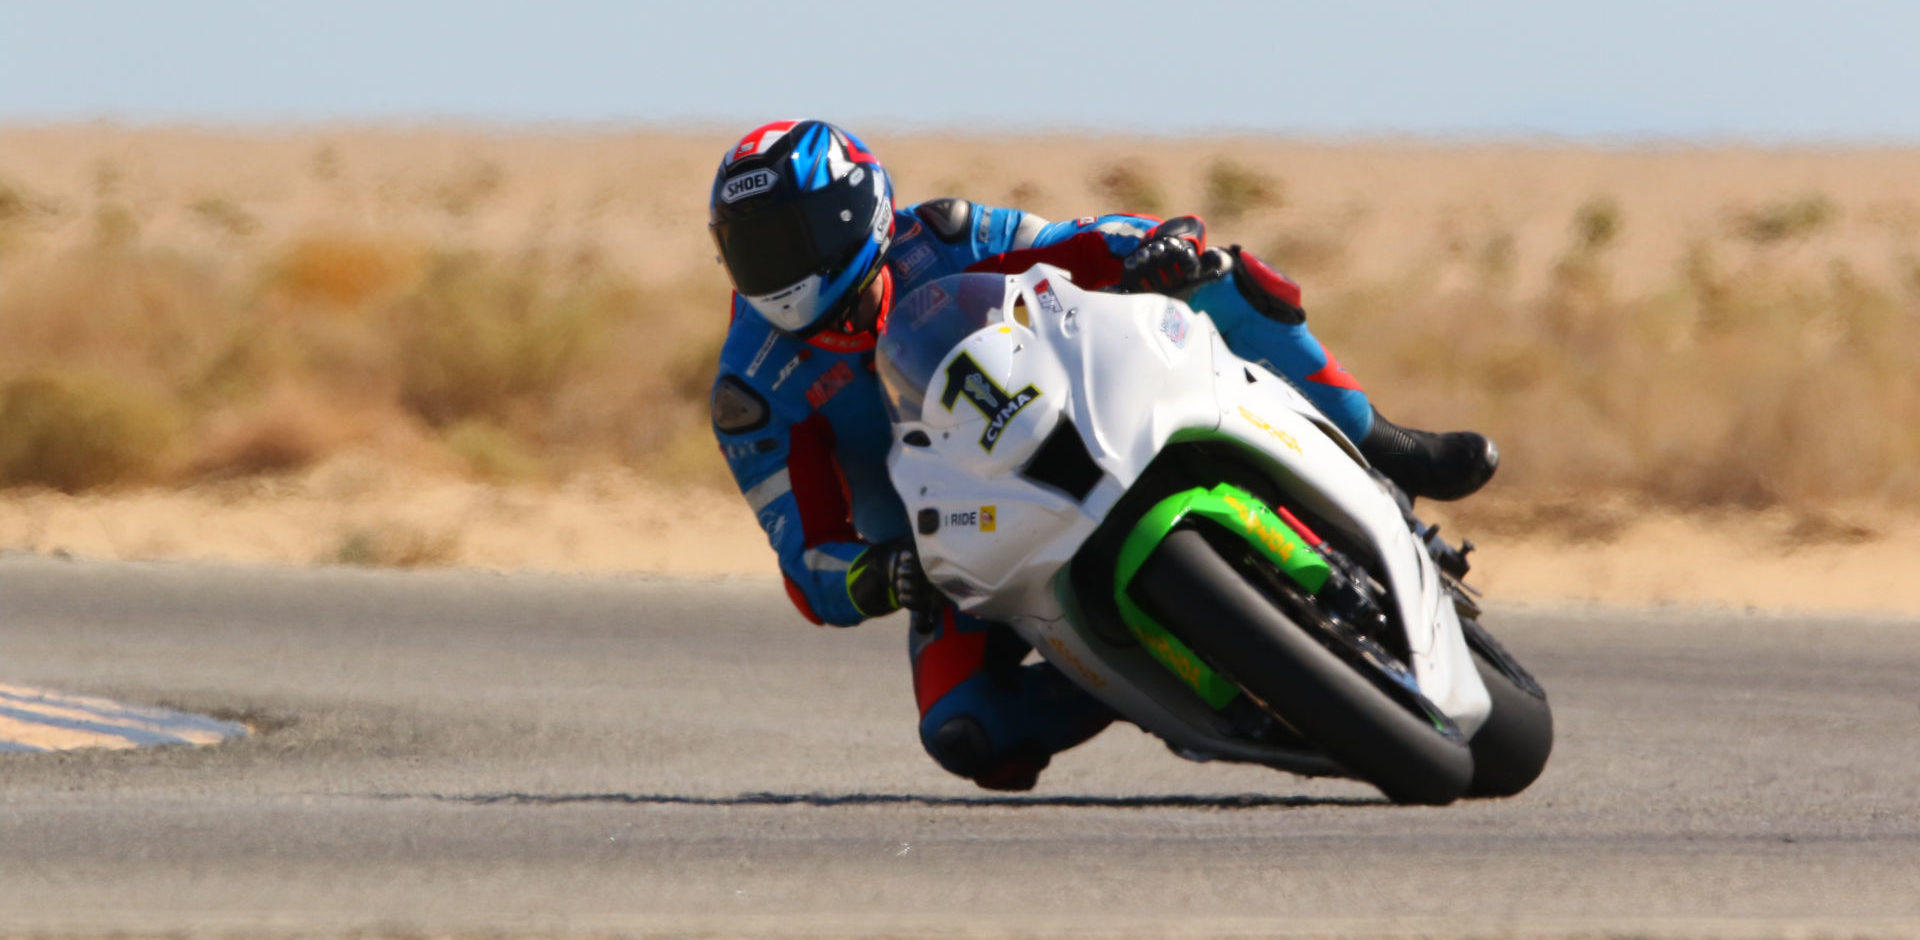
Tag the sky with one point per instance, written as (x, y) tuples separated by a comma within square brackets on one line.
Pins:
[(1786, 71)]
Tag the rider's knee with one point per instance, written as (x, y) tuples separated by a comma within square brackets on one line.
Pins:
[(961, 745)]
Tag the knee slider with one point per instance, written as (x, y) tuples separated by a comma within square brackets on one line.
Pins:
[(1268, 291), (961, 746)]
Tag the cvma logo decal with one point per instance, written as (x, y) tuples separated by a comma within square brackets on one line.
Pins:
[(966, 377), (747, 184)]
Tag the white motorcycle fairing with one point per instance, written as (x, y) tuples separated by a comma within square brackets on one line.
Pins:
[(1130, 374)]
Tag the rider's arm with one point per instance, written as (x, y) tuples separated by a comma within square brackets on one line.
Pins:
[(1091, 248), (997, 240), (787, 471)]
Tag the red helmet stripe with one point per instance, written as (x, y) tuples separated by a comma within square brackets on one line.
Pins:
[(755, 139), (857, 153)]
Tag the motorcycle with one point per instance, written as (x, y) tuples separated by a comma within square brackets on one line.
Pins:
[(1184, 535)]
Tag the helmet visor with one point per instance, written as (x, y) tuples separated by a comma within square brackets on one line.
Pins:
[(815, 235), (767, 251)]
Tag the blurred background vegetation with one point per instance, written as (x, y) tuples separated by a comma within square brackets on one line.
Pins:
[(484, 310)]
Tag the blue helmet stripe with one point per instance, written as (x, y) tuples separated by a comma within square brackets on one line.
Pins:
[(831, 292), (810, 158)]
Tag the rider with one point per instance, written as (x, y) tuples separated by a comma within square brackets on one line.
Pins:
[(805, 222)]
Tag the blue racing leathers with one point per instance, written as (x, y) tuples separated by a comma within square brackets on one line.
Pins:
[(805, 433)]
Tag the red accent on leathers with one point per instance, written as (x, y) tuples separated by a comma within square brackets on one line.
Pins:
[(819, 488), (1335, 375), (1086, 255), (799, 599), (1274, 283), (952, 658), (844, 342)]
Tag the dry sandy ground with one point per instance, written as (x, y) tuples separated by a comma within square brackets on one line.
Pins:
[(1382, 207), (359, 510)]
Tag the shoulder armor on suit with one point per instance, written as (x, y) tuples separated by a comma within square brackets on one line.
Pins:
[(947, 217)]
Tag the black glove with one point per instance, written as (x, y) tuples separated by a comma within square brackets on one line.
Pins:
[(1168, 260), (887, 577)]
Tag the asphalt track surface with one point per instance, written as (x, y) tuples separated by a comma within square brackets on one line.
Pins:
[(473, 754)]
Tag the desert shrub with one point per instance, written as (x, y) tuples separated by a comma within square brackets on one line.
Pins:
[(1495, 261), (466, 191), (287, 430), (690, 374), (481, 339), (491, 452), (1596, 224), (1306, 252), (345, 270), (1785, 220), (1580, 281), (224, 216), (1025, 194), (75, 431), (115, 227), (16, 203), (396, 546), (1126, 188), (1233, 190), (141, 315)]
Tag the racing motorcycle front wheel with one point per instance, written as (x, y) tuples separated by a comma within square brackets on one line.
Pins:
[(1412, 755)]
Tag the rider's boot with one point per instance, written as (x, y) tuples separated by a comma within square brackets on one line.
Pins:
[(1257, 310), (1435, 465)]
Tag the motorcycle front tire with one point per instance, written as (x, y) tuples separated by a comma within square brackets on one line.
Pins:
[(1234, 627)]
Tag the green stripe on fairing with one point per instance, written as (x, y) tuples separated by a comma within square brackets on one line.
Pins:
[(1239, 512)]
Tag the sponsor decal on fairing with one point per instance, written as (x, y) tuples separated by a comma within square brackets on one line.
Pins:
[(1173, 324), (1049, 301), (966, 377)]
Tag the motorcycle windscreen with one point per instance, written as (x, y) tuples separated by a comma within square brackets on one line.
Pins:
[(923, 328)]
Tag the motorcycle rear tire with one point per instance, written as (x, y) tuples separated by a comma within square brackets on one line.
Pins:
[(1234, 627), (1511, 748)]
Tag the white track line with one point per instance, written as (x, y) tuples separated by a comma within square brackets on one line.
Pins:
[(40, 720)]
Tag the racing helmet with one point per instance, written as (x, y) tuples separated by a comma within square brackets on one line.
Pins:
[(803, 215)]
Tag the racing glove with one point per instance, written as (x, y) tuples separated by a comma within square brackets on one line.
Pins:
[(887, 577), (1169, 259)]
